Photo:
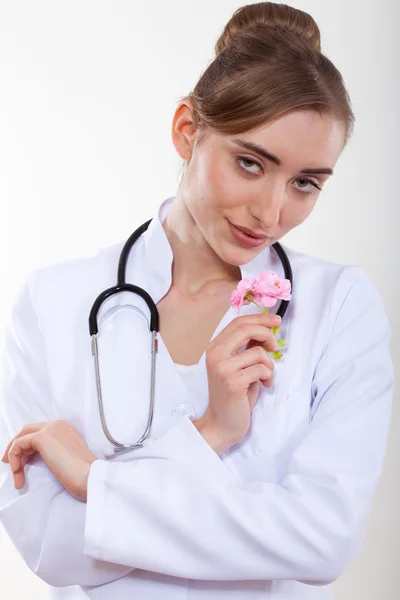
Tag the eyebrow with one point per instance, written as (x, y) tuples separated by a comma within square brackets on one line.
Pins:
[(262, 152)]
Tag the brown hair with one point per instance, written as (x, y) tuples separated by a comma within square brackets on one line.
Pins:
[(268, 62)]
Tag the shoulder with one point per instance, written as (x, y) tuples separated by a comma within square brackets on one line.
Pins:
[(74, 281), (307, 267), (341, 286)]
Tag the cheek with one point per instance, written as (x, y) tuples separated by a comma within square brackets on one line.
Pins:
[(228, 188), (218, 177), (296, 212), (214, 182), (206, 177)]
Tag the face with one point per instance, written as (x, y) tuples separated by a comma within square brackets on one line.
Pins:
[(267, 180)]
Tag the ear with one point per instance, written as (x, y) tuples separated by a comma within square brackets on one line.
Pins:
[(184, 130)]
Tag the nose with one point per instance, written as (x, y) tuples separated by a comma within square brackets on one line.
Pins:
[(267, 207)]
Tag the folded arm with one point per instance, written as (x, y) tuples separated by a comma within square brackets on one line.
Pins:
[(45, 523)]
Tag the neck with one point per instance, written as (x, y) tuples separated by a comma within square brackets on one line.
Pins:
[(196, 266)]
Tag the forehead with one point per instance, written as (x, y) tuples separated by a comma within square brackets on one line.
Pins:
[(300, 139)]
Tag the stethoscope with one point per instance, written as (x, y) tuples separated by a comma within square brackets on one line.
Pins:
[(122, 286)]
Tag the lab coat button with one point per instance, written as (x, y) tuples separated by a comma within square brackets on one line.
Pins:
[(183, 410)]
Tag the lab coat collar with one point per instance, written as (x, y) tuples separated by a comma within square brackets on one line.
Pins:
[(158, 256), (150, 267)]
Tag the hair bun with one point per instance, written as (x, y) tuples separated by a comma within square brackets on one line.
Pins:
[(270, 15)]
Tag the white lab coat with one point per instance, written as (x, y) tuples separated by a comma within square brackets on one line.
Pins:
[(280, 515)]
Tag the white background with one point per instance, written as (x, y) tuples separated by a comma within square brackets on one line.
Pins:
[(87, 93)]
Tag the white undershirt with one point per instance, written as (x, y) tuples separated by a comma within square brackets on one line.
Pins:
[(188, 374)]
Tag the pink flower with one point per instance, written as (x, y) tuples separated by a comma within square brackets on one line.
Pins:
[(267, 289), (245, 286), (271, 288)]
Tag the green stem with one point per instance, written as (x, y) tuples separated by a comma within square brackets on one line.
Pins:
[(263, 308)]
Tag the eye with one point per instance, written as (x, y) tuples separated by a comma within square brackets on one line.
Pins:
[(244, 163), (313, 185)]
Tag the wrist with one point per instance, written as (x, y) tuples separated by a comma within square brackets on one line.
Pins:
[(212, 435), (82, 494)]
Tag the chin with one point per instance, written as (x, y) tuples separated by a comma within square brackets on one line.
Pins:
[(238, 256)]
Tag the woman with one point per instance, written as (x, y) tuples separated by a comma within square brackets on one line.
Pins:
[(258, 476)]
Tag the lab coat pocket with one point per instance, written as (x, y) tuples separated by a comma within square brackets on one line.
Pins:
[(278, 424)]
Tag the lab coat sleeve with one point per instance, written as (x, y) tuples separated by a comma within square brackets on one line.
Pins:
[(45, 523), (176, 509)]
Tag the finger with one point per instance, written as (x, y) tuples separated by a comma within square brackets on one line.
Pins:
[(265, 319), (17, 468), (20, 450), (15, 463), (254, 373), (242, 335), (249, 357), (26, 444), (18, 473), (23, 459), (253, 343), (30, 428), (19, 479)]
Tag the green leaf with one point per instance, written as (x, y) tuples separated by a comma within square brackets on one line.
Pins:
[(275, 329), (277, 355), (281, 342)]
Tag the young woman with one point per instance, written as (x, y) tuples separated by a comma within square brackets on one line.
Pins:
[(257, 476)]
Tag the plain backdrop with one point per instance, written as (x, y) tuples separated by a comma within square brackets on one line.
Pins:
[(87, 93)]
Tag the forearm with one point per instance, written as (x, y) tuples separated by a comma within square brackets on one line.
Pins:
[(46, 525), (207, 527)]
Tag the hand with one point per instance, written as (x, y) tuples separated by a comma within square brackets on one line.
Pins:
[(233, 379), (61, 447)]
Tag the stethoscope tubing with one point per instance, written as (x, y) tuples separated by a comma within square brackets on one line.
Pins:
[(122, 286)]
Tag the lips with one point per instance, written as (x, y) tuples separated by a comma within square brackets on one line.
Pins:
[(248, 241), (254, 234)]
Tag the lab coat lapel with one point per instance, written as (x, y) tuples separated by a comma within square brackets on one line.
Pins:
[(124, 343), (125, 347), (156, 262), (125, 368)]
